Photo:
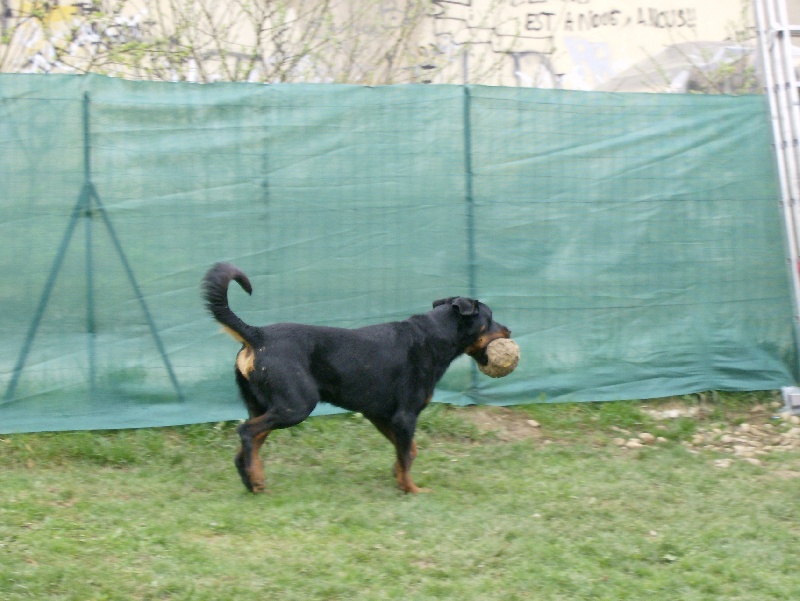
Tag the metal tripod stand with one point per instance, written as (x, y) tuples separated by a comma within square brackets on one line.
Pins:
[(87, 208)]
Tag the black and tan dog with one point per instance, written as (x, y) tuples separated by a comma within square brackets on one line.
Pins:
[(387, 371)]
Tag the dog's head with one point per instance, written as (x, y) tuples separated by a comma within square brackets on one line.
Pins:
[(477, 327)]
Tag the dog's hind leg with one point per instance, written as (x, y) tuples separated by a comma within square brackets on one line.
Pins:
[(288, 408), (251, 463), (253, 433), (254, 407)]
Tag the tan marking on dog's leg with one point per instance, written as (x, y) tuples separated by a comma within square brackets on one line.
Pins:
[(404, 480), (256, 471), (406, 484)]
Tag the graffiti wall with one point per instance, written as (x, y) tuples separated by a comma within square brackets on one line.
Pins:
[(576, 44), (572, 44)]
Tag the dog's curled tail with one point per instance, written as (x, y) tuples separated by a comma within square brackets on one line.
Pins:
[(215, 291)]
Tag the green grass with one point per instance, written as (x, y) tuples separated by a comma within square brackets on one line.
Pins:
[(565, 514)]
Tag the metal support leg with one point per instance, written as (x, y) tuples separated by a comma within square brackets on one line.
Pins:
[(87, 206)]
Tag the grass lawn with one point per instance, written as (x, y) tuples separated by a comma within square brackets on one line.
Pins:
[(560, 511)]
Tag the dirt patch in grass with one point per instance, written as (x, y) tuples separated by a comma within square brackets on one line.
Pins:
[(749, 441), (748, 433), (508, 425)]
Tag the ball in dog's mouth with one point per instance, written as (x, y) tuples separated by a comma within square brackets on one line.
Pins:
[(503, 358)]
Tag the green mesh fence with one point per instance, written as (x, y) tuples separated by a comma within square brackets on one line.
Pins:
[(632, 242)]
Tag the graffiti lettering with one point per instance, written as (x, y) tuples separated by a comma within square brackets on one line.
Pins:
[(667, 19), (539, 21), (581, 43), (592, 20)]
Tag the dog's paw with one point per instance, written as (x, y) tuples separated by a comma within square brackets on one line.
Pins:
[(408, 487), (240, 467)]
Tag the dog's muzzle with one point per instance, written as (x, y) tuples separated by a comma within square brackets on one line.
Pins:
[(477, 350)]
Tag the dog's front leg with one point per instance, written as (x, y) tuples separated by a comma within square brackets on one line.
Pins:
[(403, 427)]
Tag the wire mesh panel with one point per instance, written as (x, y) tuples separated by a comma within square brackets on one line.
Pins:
[(638, 237), (632, 243)]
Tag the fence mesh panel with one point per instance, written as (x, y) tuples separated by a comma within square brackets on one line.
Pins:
[(631, 242)]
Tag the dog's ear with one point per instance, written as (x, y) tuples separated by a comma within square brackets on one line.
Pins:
[(465, 306), (443, 301)]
